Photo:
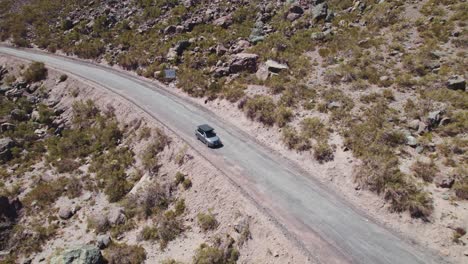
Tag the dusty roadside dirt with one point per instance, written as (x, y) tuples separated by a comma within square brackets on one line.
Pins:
[(210, 191)]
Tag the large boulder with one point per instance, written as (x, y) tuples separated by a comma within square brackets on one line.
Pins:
[(456, 82), (275, 66), (243, 62), (6, 144), (78, 255)]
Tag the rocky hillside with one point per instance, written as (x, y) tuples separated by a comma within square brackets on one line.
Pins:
[(103, 182), (381, 79)]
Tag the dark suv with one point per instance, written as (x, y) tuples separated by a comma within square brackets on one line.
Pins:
[(206, 134)]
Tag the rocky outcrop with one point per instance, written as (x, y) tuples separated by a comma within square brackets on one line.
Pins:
[(456, 83), (6, 144), (78, 255), (9, 213), (243, 62)]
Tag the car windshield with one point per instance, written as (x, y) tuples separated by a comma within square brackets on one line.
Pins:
[(210, 134)]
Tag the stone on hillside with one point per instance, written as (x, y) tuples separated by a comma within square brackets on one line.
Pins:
[(103, 241), (262, 73), (414, 124), (434, 117), (66, 212), (411, 141), (296, 9), (257, 34), (117, 217), (181, 46), (18, 115), (220, 50), (320, 36), (243, 62), (78, 255), (456, 82), (224, 21), (444, 181), (319, 12), (293, 16), (170, 30), (6, 144), (7, 127), (275, 66)]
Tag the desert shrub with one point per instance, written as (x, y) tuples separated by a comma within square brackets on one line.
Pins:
[(457, 234), (147, 202), (111, 169), (312, 127), (187, 183), (35, 72), (63, 77), (425, 171), (261, 108), (323, 152), (150, 155), (234, 92), (45, 194), (207, 221), (180, 207), (124, 254), (98, 223), (294, 140), (149, 233), (46, 115), (458, 124), (89, 49), (461, 188), (179, 178), (382, 175), (66, 165), (217, 254), (283, 116), (208, 255), (169, 227), (145, 133), (180, 157)]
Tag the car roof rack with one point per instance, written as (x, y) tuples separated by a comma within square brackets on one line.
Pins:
[(205, 128)]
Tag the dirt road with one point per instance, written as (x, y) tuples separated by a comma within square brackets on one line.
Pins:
[(328, 227)]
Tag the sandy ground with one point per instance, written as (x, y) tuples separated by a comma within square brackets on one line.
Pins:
[(211, 191)]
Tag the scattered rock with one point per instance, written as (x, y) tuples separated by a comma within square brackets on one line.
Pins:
[(262, 73), (78, 255), (243, 62), (66, 212), (103, 241), (319, 12), (181, 46), (411, 141), (414, 124), (224, 21), (444, 181), (117, 217), (275, 67), (18, 115), (7, 127), (456, 82)]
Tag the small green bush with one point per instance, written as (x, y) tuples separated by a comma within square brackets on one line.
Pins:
[(35, 72), (123, 253), (425, 171), (283, 116), (323, 152), (207, 221), (261, 108), (149, 233)]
